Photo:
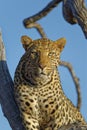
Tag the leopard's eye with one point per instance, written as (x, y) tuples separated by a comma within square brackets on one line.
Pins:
[(52, 54), (33, 53)]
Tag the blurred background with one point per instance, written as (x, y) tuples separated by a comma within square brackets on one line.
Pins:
[(12, 14)]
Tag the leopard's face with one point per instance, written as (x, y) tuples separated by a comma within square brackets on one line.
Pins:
[(41, 58)]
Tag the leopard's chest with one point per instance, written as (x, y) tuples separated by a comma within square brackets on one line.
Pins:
[(46, 104), (48, 99), (41, 102)]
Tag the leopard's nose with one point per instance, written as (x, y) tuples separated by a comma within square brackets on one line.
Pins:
[(42, 66)]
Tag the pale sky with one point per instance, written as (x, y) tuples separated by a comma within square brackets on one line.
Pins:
[(12, 14)]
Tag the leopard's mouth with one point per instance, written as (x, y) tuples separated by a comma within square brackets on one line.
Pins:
[(44, 76), (45, 72), (41, 76)]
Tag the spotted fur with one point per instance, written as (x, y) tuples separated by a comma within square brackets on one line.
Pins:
[(38, 91)]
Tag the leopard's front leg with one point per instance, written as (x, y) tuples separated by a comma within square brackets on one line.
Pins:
[(30, 122)]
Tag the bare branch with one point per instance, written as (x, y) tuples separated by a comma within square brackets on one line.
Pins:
[(38, 27), (7, 101), (74, 11), (42, 13), (75, 80)]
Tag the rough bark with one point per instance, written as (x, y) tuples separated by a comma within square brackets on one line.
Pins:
[(75, 11), (7, 101)]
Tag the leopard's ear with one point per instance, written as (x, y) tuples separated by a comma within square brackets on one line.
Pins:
[(26, 41), (61, 43)]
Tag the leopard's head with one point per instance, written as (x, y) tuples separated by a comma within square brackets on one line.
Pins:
[(41, 58)]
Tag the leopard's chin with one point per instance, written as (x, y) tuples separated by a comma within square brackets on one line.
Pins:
[(41, 77), (44, 79)]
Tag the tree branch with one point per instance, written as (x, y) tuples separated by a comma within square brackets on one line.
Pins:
[(74, 11), (38, 28), (7, 101), (42, 13)]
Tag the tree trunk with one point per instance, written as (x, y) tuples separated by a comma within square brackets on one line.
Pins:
[(7, 101)]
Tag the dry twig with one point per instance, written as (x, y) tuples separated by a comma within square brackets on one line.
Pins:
[(38, 28)]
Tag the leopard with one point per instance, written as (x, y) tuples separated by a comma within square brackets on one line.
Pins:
[(38, 91)]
